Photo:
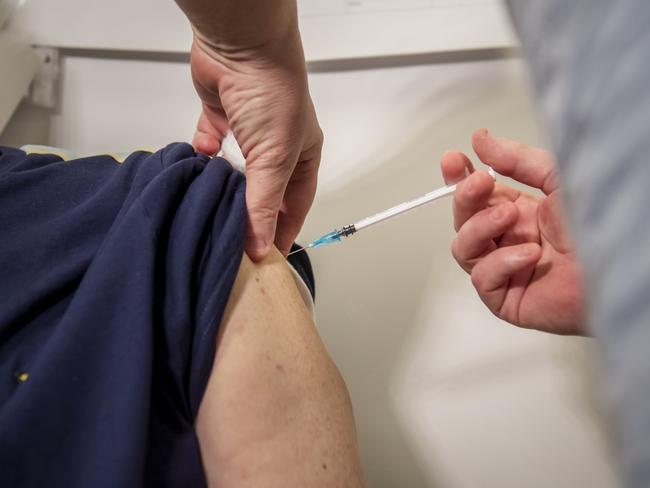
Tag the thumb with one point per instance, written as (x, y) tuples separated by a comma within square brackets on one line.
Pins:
[(529, 165), (266, 182)]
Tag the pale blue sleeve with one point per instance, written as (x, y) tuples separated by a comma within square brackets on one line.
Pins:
[(590, 64)]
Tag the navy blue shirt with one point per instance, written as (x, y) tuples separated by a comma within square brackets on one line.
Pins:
[(113, 281)]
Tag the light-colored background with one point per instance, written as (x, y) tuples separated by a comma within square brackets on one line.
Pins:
[(331, 28), (445, 395)]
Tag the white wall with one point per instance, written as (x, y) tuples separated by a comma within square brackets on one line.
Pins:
[(17, 54), (445, 395), (331, 29)]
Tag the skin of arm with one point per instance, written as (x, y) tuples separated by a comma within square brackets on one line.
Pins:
[(276, 411)]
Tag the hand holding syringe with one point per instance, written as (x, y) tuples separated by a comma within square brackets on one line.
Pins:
[(348, 230)]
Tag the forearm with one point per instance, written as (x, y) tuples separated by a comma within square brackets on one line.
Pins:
[(248, 68), (234, 25)]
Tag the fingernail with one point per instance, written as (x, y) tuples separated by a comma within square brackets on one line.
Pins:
[(256, 245), (526, 251)]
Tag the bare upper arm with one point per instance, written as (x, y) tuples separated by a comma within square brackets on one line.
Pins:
[(276, 411)]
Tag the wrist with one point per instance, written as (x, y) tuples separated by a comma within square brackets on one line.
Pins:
[(245, 28), (279, 62), (282, 49)]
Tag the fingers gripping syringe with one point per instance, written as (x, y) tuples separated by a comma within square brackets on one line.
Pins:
[(346, 231)]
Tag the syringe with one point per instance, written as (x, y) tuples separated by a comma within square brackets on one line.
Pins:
[(347, 230)]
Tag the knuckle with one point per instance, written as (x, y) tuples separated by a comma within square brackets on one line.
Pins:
[(454, 250), (262, 213), (458, 256), (320, 135), (274, 158), (477, 280), (306, 168)]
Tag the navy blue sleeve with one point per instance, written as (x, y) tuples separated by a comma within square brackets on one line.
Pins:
[(114, 279)]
